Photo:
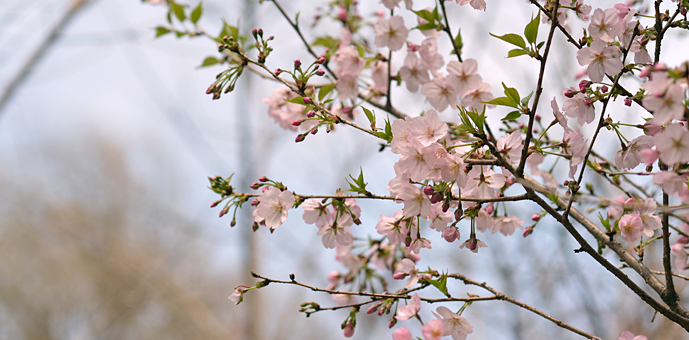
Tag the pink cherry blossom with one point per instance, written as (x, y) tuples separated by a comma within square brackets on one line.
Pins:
[(672, 183), (474, 98), (646, 210), (408, 311), (605, 25), (574, 145), (476, 4), (507, 225), (401, 334), (455, 325), (274, 206), (580, 107), (429, 53), (348, 331), (627, 335), (473, 244), (666, 106), (418, 243), (428, 129), (630, 157), (347, 86), (482, 182), (680, 256), (315, 212), (333, 233), (400, 134), (582, 10), (379, 74), (237, 296), (463, 76), (454, 171), (283, 112), (348, 61), (602, 60), (484, 220), (673, 144), (391, 33), (440, 93), (433, 330), (394, 229), (414, 72), (631, 227), (438, 218), (407, 268), (415, 201), (618, 206), (415, 160), (511, 146)]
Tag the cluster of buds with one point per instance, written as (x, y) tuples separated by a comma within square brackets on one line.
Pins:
[(262, 45)]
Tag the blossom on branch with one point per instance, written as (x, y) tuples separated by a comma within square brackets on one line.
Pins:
[(273, 207), (391, 33), (602, 60)]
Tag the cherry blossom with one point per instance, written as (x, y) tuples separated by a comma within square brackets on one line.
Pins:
[(348, 61), (680, 256), (506, 225), (237, 296), (428, 129), (416, 161), (619, 205), (391, 33), (333, 233), (455, 325), (580, 107), (631, 227), (400, 134), (630, 157), (429, 53), (393, 228), (474, 98), (463, 76), (646, 210), (484, 221), (408, 311), (673, 144), (433, 330), (414, 72), (379, 74), (627, 335), (273, 206), (511, 146), (582, 10), (407, 268), (473, 244), (315, 212), (605, 25), (574, 145), (440, 93), (672, 183), (415, 201), (454, 171), (401, 334), (666, 106), (602, 60), (482, 182), (476, 4)]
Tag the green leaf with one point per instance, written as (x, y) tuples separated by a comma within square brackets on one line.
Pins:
[(512, 115), (209, 62), (296, 100), (160, 31), (196, 13), (359, 186), (605, 222), (531, 29), (371, 117), (327, 42), (427, 26), (324, 91), (458, 40), (441, 284), (525, 100), (426, 15), (512, 38), (540, 44), (516, 52), (436, 15), (178, 10), (511, 93), (180, 34), (503, 101)]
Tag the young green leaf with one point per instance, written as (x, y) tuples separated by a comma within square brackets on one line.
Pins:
[(358, 185), (511, 93), (516, 52), (512, 38), (160, 30), (209, 62), (441, 284), (425, 15), (503, 101), (512, 115), (531, 29), (371, 117), (525, 100), (296, 100), (325, 90), (178, 10), (196, 13)]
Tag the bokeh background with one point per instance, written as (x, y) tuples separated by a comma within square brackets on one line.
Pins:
[(106, 142)]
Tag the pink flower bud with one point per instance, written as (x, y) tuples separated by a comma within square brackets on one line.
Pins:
[(451, 234), (399, 275), (278, 71), (521, 125), (254, 32), (348, 330), (255, 186), (215, 204), (260, 32), (604, 89), (446, 206), (583, 85), (411, 48), (392, 323), (489, 209), (437, 197), (535, 217), (342, 15), (334, 277), (314, 131), (307, 100), (320, 60), (297, 122), (537, 117), (263, 179), (320, 73), (628, 101), (297, 63), (458, 214), (569, 94), (300, 138), (510, 180), (428, 190), (528, 231), (311, 114), (683, 240), (255, 202), (373, 309)]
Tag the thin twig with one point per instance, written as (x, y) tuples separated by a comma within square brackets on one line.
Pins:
[(449, 32)]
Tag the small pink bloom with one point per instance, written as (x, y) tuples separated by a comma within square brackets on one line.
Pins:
[(672, 183), (455, 325), (414, 72), (476, 4), (605, 25), (673, 144), (440, 93), (474, 98), (433, 330), (631, 227), (274, 206), (627, 335), (408, 311), (463, 76), (507, 225), (401, 334), (348, 331), (680, 256), (391, 33), (602, 59)]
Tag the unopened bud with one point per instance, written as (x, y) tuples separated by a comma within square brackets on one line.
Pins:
[(683, 240), (263, 179), (537, 117), (535, 217), (233, 223), (320, 60), (255, 202), (604, 89), (428, 190), (446, 206), (320, 73), (254, 32), (297, 63), (373, 308), (528, 231), (260, 32), (521, 125), (490, 209), (510, 180), (211, 89), (314, 131), (437, 197), (300, 138), (311, 114), (297, 122), (278, 71), (458, 213), (451, 234), (215, 204), (583, 85), (255, 185), (307, 100), (569, 93), (392, 323), (399, 275), (628, 101)]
